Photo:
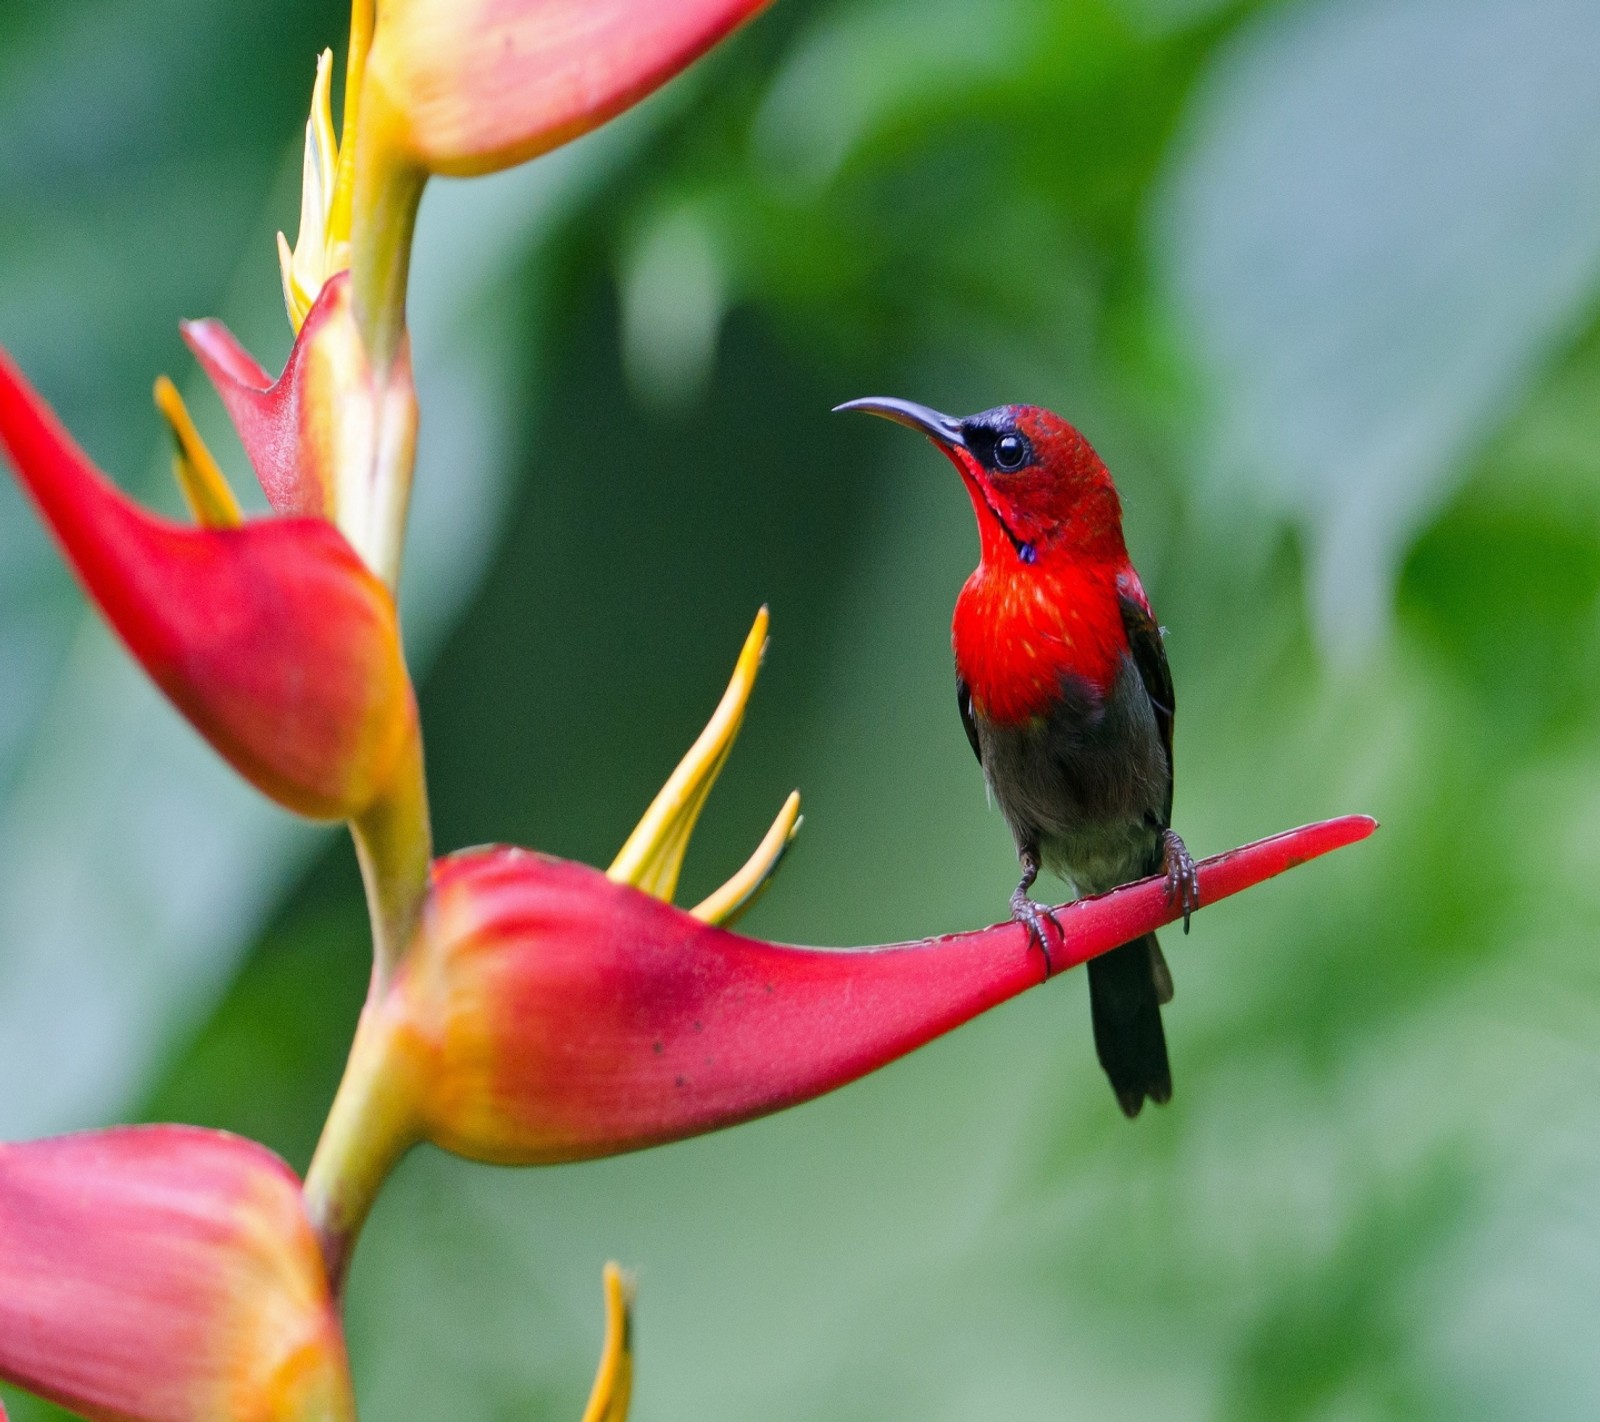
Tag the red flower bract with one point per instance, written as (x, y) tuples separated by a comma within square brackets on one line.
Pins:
[(328, 437), (481, 84), (165, 1274), (573, 1017), (543, 1013), (267, 413), (273, 638)]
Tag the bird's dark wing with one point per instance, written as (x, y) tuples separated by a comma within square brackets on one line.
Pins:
[(964, 706), (1150, 658)]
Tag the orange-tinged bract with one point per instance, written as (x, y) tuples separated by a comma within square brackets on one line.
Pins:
[(165, 1274), (274, 638), (477, 85)]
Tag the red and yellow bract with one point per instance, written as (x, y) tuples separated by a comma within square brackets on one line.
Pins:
[(274, 638), (477, 85), (286, 429), (165, 1274)]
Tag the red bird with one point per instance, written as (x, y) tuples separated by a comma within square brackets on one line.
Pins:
[(1063, 688)]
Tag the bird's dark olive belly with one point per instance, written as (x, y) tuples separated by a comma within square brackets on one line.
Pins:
[(1088, 786)]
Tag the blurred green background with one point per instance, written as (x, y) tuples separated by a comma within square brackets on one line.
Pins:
[(1320, 279)]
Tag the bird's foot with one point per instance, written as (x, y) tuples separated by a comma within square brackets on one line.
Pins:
[(1183, 881), (1033, 916)]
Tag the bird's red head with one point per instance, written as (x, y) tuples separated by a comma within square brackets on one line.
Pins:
[(1045, 602), (1039, 490)]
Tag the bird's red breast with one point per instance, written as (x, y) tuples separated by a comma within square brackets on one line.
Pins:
[(1020, 630)]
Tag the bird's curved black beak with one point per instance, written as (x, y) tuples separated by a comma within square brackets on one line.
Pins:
[(943, 430)]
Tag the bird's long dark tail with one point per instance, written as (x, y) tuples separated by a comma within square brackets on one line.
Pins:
[(1127, 987)]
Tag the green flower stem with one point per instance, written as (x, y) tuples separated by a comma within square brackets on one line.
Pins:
[(373, 1123), (394, 846), (387, 192)]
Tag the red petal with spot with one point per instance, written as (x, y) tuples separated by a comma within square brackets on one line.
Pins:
[(273, 638)]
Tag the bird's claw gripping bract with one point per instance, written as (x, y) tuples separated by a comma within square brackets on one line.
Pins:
[(1182, 882)]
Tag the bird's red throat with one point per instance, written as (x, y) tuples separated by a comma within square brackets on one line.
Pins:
[(1022, 630)]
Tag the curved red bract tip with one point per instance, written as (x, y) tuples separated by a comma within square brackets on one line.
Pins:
[(563, 1016), (282, 424), (273, 638), (1097, 925)]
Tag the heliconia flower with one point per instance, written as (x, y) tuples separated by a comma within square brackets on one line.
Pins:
[(165, 1274), (470, 86), (613, 1383), (652, 858), (330, 437), (270, 635), (544, 1013)]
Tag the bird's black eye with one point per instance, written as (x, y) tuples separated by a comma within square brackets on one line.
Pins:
[(1010, 451)]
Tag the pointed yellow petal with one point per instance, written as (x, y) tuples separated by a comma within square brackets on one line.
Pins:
[(362, 19), (728, 904), (316, 179), (311, 262), (320, 139), (204, 488), (613, 1384), (653, 856), (294, 299), (286, 272)]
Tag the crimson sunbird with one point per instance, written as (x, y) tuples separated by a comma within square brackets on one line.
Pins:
[(1064, 690)]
